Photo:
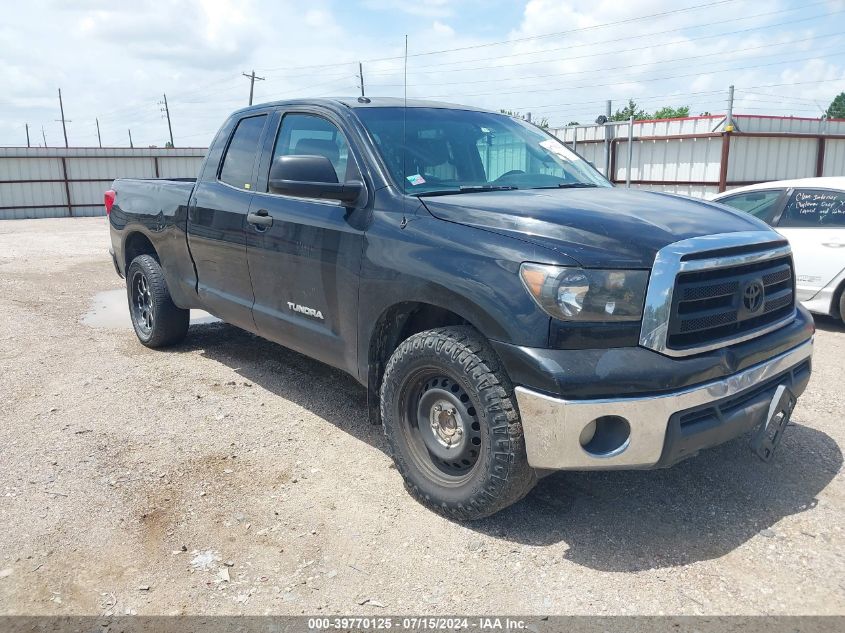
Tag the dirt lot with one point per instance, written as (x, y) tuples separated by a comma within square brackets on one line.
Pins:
[(230, 475)]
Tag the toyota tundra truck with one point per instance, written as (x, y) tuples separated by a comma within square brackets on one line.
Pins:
[(509, 311)]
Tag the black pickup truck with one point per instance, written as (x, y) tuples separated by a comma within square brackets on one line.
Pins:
[(508, 310)]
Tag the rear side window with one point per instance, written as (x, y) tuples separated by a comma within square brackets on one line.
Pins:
[(315, 136), (760, 204), (240, 155), (814, 207)]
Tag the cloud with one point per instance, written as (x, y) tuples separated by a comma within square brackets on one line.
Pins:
[(555, 59)]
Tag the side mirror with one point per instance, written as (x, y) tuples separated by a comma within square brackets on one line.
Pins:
[(306, 176)]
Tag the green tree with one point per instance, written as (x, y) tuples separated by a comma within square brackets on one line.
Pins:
[(573, 123), (836, 110), (630, 110), (668, 112)]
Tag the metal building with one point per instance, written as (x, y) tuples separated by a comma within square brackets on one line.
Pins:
[(700, 156)]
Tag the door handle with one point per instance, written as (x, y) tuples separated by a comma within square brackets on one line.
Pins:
[(833, 244), (260, 218)]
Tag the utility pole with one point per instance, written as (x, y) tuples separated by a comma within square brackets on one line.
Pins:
[(44, 136), (130, 139), (252, 77), (729, 115), (361, 76), (608, 130), (63, 120), (630, 152), (27, 134), (166, 111), (99, 139)]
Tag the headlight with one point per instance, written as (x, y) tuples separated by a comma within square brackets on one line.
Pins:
[(582, 294)]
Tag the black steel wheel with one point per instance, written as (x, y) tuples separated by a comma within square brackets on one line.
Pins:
[(441, 425), (157, 321), (450, 418), (141, 302)]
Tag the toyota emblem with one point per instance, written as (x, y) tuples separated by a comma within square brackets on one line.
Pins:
[(753, 295)]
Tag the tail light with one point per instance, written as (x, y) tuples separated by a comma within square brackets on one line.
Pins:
[(108, 199)]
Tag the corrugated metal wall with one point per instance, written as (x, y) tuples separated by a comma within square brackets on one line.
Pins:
[(691, 166), (58, 182)]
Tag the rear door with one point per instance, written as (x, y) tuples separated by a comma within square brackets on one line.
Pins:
[(217, 225), (814, 223), (305, 266)]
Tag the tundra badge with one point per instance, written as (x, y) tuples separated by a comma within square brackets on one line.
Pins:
[(305, 310)]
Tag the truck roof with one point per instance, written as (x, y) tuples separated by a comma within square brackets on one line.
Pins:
[(369, 102)]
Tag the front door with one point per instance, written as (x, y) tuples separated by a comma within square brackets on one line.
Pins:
[(217, 225), (305, 265), (814, 223)]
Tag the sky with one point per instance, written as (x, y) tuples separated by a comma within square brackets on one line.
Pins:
[(560, 60)]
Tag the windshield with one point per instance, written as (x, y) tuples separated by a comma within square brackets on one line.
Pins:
[(439, 150)]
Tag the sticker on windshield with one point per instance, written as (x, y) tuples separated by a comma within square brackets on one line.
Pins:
[(416, 179), (555, 148)]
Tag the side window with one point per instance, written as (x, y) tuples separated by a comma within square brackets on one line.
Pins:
[(240, 155), (814, 207), (308, 134), (760, 204)]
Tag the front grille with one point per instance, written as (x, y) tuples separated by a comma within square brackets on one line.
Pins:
[(712, 305)]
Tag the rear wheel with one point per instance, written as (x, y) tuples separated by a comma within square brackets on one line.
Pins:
[(449, 416), (158, 322)]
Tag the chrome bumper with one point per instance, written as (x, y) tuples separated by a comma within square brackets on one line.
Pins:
[(553, 427)]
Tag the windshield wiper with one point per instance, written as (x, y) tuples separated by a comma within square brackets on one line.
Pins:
[(467, 189), (569, 185)]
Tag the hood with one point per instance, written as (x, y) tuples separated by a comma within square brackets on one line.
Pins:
[(599, 228)]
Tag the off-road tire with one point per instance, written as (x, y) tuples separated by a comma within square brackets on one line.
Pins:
[(159, 322), (500, 476)]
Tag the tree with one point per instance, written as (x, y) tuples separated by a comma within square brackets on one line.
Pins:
[(668, 112), (630, 110), (836, 110), (573, 123)]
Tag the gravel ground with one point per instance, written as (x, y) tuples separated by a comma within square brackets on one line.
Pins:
[(230, 475)]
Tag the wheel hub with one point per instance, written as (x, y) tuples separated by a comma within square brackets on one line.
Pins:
[(446, 423)]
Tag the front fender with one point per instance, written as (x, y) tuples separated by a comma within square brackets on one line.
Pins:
[(471, 272)]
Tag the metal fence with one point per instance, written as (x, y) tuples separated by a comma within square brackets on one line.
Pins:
[(54, 182), (695, 156), (700, 156)]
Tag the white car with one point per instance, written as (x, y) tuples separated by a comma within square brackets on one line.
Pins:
[(810, 213)]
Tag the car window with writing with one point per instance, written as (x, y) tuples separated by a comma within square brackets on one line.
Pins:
[(815, 208)]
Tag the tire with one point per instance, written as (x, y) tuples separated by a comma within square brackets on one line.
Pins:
[(842, 306), (464, 475), (158, 322)]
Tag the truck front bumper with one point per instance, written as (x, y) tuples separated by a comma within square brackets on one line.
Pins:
[(656, 430)]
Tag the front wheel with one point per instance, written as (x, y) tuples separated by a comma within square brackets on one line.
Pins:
[(449, 416), (158, 322)]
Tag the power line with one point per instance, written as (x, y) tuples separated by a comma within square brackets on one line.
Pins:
[(627, 79), (626, 66), (524, 39)]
